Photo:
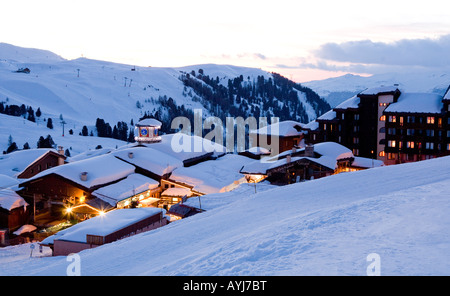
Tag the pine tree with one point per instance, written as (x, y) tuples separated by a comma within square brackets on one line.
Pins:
[(84, 131), (50, 123)]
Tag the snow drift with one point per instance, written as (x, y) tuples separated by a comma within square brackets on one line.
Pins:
[(323, 227)]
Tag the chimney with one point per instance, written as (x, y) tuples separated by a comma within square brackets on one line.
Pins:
[(61, 150), (309, 151), (130, 155), (83, 176), (288, 158)]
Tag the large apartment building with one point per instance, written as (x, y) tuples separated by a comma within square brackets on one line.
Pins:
[(386, 124)]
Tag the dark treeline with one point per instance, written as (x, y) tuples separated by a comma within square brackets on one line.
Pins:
[(272, 97)]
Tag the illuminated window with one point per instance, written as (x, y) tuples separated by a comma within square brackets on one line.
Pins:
[(392, 118), (391, 143), (401, 120), (383, 118), (448, 146), (410, 144), (382, 154), (430, 120)]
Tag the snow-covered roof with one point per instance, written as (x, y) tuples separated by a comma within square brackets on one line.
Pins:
[(133, 184), (24, 229), (7, 181), (212, 176), (379, 89), (285, 128), (313, 125), (100, 170), (177, 191), (103, 225), (353, 102), (330, 115), (149, 122), (89, 154), (10, 200), (363, 162), (417, 103), (150, 159), (184, 147), (329, 154), (12, 164)]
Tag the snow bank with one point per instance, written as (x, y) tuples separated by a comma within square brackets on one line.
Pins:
[(323, 227)]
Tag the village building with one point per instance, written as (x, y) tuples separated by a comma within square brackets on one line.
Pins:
[(135, 190), (14, 211), (386, 124), (308, 163), (287, 133), (104, 229), (49, 159), (53, 190), (212, 176), (180, 211), (23, 164)]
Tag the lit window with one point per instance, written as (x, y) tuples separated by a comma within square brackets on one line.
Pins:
[(448, 146), (382, 154), (383, 118), (430, 120), (391, 143), (392, 118), (410, 144)]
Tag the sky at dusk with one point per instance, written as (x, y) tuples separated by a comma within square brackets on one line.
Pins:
[(302, 40)]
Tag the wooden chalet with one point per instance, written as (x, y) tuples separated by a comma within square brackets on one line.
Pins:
[(51, 158), (14, 210), (104, 229), (55, 189), (287, 133), (309, 163)]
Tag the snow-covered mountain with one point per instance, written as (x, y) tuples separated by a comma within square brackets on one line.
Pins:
[(80, 91), (337, 90), (331, 226)]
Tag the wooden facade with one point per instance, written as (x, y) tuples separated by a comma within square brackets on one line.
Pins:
[(48, 160), (63, 247)]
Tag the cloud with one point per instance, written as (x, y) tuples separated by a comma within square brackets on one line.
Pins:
[(405, 52)]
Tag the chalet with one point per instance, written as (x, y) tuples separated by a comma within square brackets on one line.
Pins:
[(26, 163), (54, 189), (308, 163), (14, 210), (133, 191), (104, 229), (48, 159), (288, 134), (385, 124), (213, 176), (181, 211)]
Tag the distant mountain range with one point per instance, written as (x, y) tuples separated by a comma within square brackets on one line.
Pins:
[(336, 90), (81, 90)]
